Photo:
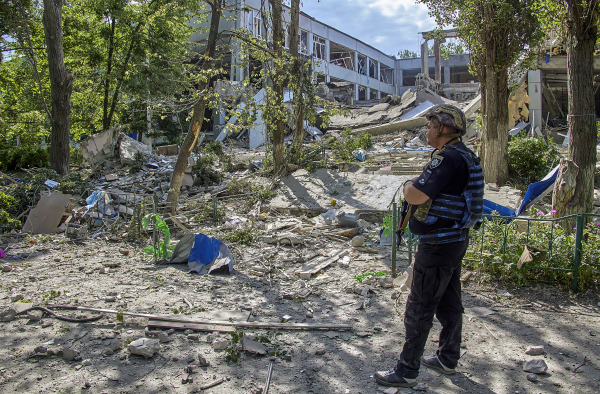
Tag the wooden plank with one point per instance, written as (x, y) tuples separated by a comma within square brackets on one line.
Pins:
[(372, 251), (144, 187), (178, 223), (318, 266), (466, 276)]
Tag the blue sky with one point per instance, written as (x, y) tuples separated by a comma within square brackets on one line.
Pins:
[(388, 25)]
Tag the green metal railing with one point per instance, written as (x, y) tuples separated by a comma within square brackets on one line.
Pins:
[(502, 240)]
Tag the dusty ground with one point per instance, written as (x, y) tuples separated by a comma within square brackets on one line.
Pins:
[(321, 361)]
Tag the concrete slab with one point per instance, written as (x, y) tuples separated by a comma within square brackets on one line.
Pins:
[(389, 128), (473, 106), (99, 148), (46, 216), (304, 192)]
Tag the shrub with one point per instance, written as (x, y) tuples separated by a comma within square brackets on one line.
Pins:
[(348, 143), (6, 222), (245, 235), (76, 157), (261, 193), (550, 246), (204, 171), (214, 147), (23, 156), (239, 186), (530, 158)]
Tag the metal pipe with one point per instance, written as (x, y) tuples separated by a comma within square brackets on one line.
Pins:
[(269, 372), (394, 235), (208, 322), (577, 257)]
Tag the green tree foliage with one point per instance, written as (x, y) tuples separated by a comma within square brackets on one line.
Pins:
[(497, 33), (22, 116), (406, 54), (120, 51), (451, 48)]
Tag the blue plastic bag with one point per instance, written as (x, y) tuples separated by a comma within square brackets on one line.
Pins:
[(205, 251)]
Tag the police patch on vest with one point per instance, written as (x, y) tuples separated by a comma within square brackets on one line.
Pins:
[(435, 161)]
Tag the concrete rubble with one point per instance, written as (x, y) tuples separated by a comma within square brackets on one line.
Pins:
[(297, 255), (144, 347)]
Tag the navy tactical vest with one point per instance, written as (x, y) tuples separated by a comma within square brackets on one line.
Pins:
[(465, 210)]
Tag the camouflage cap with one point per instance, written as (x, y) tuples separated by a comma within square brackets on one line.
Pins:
[(449, 115)]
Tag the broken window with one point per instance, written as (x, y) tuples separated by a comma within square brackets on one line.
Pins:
[(372, 69), (386, 74), (319, 47), (303, 42), (257, 24), (287, 29), (341, 56), (373, 95), (362, 64), (362, 93)]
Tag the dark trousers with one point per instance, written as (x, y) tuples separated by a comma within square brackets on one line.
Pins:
[(435, 289)]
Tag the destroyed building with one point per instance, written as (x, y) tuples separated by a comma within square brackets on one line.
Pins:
[(347, 70)]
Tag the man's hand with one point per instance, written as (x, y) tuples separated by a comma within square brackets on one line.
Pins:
[(412, 195)]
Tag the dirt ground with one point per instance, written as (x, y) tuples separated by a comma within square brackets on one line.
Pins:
[(318, 361)]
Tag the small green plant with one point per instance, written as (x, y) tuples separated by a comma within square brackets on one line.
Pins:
[(387, 226), (63, 330), (163, 249), (239, 186), (233, 350), (138, 162), (182, 310), (120, 316), (206, 212), (245, 235), (133, 232), (344, 146), (52, 295), (360, 277), (261, 193)]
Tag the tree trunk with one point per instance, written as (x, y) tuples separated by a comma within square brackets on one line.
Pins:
[(111, 48), (61, 86), (278, 130), (198, 112), (564, 189), (299, 76), (581, 38), (495, 121)]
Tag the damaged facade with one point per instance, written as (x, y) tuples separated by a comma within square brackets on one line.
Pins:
[(346, 69)]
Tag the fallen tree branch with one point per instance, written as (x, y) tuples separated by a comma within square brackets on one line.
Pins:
[(581, 365)]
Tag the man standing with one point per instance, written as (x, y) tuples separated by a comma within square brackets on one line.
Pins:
[(445, 201)]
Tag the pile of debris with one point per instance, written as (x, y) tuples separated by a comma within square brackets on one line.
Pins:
[(395, 114)]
